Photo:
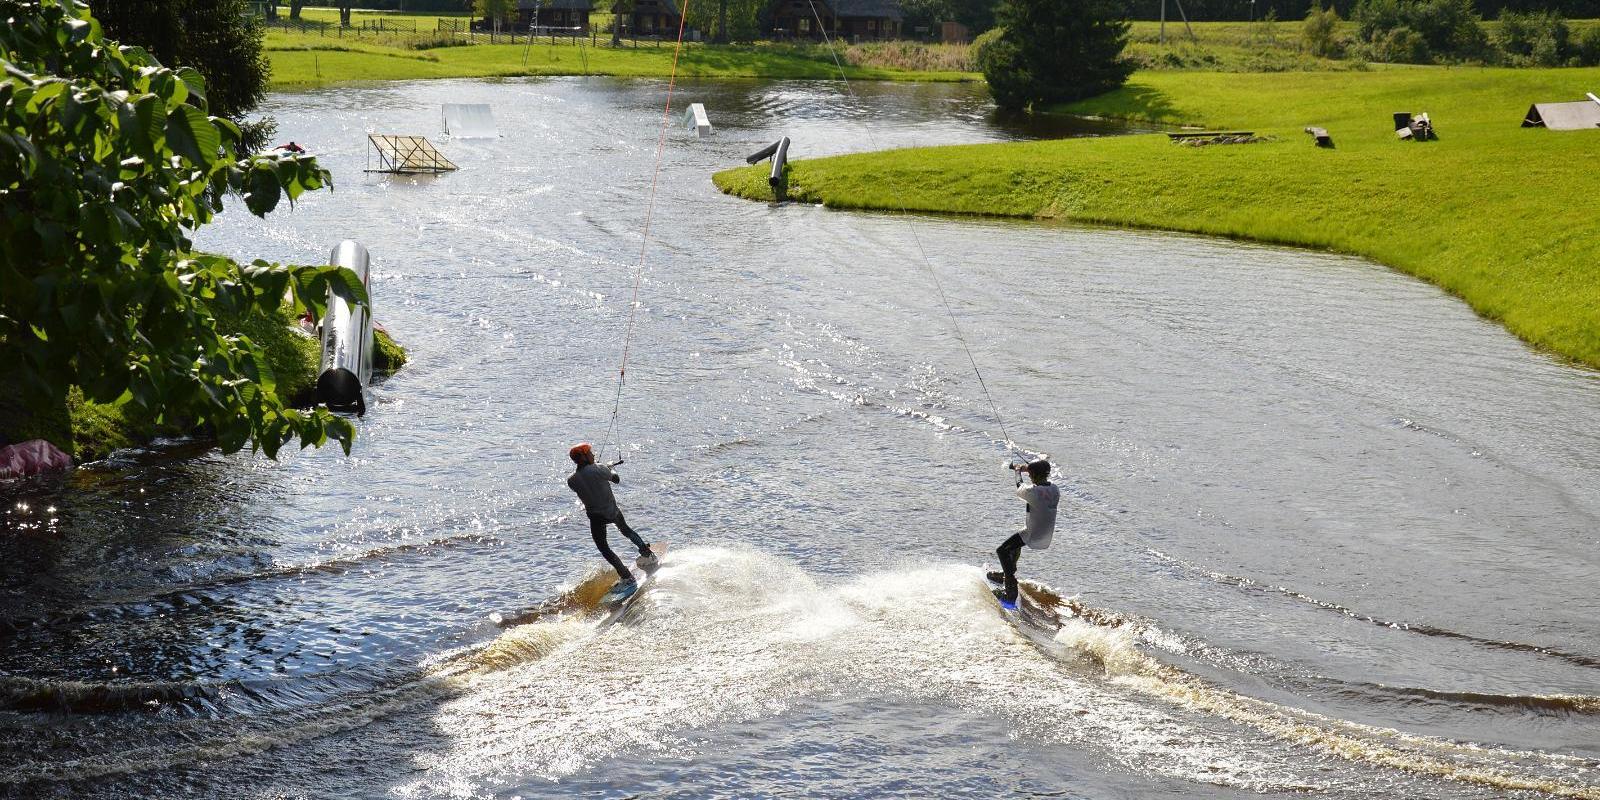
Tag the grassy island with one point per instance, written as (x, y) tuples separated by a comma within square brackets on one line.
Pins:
[(1499, 215)]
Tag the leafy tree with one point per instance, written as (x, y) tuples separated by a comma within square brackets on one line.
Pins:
[(107, 161), (1588, 47), (218, 38), (1421, 31), (924, 13), (1055, 51), (497, 10), (1539, 38), (743, 19), (977, 15)]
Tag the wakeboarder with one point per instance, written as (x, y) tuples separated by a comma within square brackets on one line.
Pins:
[(1042, 497), (592, 483)]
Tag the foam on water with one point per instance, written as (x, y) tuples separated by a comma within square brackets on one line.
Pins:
[(732, 635)]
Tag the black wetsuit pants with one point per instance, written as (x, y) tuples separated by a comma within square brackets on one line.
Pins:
[(597, 528), (1009, 551)]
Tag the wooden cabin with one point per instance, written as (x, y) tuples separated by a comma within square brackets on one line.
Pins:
[(649, 17), (563, 15), (850, 20)]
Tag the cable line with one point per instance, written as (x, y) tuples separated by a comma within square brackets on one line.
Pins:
[(644, 243), (912, 228)]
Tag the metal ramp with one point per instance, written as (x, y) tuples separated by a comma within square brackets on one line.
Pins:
[(406, 155)]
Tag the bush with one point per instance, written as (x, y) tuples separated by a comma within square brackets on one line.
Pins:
[(1539, 38), (1402, 46), (1421, 31), (985, 39), (1321, 31), (1056, 51), (1587, 51), (107, 162)]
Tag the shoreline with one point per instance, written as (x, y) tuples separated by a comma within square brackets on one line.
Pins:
[(1493, 214)]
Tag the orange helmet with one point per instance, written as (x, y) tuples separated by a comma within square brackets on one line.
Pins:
[(581, 452)]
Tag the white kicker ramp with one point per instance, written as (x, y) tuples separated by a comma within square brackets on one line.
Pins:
[(469, 121), (695, 119)]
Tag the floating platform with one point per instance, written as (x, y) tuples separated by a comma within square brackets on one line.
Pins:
[(406, 155)]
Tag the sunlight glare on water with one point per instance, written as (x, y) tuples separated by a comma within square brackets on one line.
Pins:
[(1324, 532)]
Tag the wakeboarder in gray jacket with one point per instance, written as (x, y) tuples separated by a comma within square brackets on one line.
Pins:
[(592, 483)]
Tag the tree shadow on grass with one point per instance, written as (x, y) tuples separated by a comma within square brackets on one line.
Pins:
[(1130, 102)]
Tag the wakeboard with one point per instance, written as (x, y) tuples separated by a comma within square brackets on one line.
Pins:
[(614, 604), (1036, 606), (592, 595)]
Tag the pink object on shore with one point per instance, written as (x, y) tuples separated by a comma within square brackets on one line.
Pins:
[(31, 458)]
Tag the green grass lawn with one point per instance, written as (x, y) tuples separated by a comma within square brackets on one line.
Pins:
[(424, 21), (1496, 214), (302, 60)]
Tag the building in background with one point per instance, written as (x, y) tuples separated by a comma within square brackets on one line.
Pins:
[(850, 20)]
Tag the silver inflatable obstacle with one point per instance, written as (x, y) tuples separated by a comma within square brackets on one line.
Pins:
[(346, 367)]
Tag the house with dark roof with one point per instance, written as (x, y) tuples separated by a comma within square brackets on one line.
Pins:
[(557, 14), (851, 20), (648, 17)]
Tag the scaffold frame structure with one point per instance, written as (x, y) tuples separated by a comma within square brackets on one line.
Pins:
[(406, 155)]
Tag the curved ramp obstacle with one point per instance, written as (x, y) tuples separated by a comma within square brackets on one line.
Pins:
[(346, 365)]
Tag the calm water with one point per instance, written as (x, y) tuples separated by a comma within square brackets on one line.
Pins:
[(1348, 529)]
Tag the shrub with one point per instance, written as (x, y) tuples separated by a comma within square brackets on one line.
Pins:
[(1421, 31), (1402, 46), (1056, 51), (1538, 38), (1321, 31), (1587, 51), (985, 39)]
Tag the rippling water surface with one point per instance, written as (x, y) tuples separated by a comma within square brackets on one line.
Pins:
[(1324, 532)]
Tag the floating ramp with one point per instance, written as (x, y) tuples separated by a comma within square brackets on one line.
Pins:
[(469, 121), (695, 119), (406, 154)]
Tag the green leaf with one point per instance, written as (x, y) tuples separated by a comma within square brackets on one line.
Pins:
[(190, 134), (262, 190), (346, 286), (195, 83)]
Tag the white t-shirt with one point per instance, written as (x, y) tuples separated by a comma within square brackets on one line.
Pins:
[(1042, 501)]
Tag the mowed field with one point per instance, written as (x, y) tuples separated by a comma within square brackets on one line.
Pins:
[(1499, 215), (319, 54)]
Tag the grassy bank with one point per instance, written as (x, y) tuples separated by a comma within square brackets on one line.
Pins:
[(1498, 215), (304, 60)]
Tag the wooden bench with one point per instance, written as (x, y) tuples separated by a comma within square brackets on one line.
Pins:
[(1178, 135)]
